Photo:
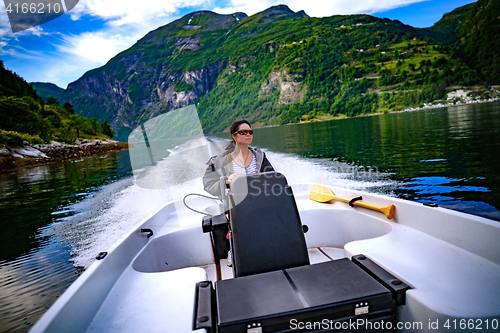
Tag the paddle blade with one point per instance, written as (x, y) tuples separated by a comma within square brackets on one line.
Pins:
[(389, 211), (321, 193)]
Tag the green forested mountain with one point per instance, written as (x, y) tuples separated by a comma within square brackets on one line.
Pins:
[(278, 66), (479, 44), (445, 30), (46, 90), (24, 116), (472, 31), (12, 84)]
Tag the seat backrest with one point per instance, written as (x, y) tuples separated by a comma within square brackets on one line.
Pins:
[(267, 234)]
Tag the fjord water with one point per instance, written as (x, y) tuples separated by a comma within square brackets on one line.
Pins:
[(55, 219), (449, 156)]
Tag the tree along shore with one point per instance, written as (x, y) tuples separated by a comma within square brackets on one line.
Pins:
[(12, 158)]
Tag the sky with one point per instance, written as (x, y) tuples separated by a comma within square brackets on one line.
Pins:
[(94, 31)]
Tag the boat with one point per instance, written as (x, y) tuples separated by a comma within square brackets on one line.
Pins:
[(147, 281), (434, 269)]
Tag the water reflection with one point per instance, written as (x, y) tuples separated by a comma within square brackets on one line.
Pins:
[(32, 282), (456, 143), (36, 263), (466, 195)]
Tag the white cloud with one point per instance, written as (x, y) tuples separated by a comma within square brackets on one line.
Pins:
[(9, 45), (322, 8), (248, 7), (120, 12), (97, 47), (316, 8)]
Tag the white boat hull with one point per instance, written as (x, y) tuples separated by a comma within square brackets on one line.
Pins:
[(451, 261)]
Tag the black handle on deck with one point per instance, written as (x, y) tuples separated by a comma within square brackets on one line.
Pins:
[(353, 200), (148, 230)]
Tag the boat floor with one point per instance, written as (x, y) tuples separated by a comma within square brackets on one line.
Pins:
[(316, 255), (164, 301)]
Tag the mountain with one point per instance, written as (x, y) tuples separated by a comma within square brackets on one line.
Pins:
[(12, 84), (445, 30), (479, 44), (155, 75), (472, 31), (277, 67), (46, 90), (24, 116)]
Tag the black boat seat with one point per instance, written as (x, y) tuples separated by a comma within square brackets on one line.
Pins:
[(266, 231), (275, 289), (340, 295)]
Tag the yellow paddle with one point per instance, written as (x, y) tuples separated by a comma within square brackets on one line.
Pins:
[(321, 193)]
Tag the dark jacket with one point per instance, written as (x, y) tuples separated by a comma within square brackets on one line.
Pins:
[(218, 166)]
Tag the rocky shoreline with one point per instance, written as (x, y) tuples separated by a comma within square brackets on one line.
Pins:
[(35, 155)]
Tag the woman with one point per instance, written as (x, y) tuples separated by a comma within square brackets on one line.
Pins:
[(237, 159)]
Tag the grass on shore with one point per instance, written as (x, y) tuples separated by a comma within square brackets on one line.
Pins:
[(15, 139)]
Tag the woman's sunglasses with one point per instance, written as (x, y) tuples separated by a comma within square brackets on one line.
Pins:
[(244, 132)]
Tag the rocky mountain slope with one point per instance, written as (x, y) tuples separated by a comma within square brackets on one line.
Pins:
[(154, 76)]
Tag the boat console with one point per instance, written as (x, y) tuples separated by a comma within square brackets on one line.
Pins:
[(275, 288)]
